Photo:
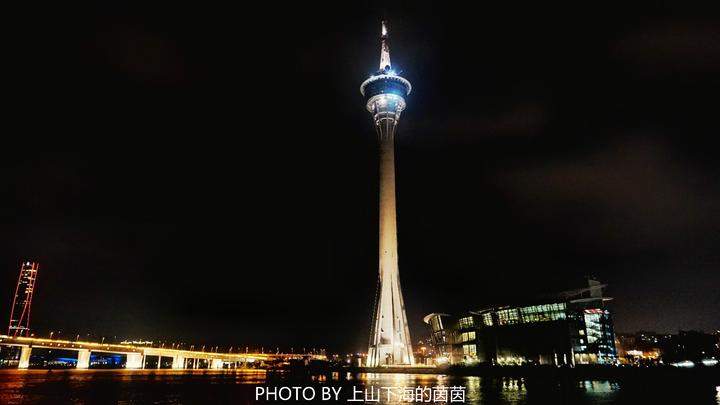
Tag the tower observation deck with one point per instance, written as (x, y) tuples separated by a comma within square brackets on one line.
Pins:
[(385, 93)]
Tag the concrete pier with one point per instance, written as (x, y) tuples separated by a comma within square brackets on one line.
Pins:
[(134, 361), (178, 362), (83, 359), (25, 357)]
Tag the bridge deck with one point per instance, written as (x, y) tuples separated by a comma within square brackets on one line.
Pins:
[(146, 350)]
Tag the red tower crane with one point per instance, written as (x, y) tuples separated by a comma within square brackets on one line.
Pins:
[(22, 302)]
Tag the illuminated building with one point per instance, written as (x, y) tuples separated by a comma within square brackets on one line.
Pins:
[(22, 302), (572, 328), (384, 94)]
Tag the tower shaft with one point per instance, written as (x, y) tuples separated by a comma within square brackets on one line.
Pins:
[(390, 342)]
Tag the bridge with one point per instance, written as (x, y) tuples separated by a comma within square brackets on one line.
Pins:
[(137, 355)]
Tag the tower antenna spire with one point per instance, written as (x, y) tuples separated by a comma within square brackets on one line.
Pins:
[(384, 49)]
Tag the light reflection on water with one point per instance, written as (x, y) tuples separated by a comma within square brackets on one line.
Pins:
[(238, 387), (505, 390)]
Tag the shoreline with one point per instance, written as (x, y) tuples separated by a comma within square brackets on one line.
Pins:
[(592, 372)]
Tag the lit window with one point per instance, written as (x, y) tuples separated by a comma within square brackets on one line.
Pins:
[(543, 313), (507, 316), (466, 322), (487, 319), (469, 350)]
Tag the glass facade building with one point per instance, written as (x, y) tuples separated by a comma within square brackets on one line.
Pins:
[(574, 327)]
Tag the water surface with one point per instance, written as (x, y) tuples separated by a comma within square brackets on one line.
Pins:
[(239, 387)]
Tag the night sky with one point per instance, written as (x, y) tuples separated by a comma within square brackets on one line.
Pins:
[(209, 174)]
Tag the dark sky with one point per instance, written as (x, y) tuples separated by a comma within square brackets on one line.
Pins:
[(208, 174)]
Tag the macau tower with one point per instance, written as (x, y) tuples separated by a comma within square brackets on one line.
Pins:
[(385, 93)]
